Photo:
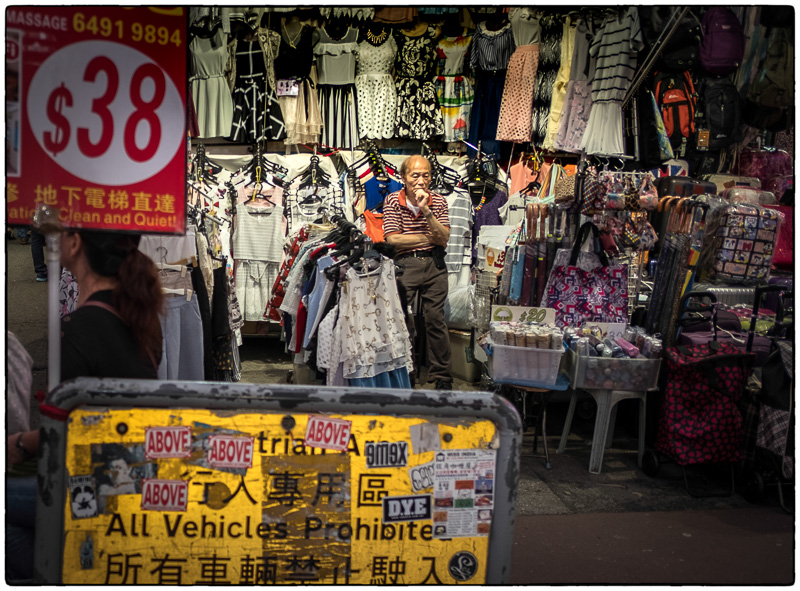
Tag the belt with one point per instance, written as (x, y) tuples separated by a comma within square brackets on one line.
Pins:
[(417, 254)]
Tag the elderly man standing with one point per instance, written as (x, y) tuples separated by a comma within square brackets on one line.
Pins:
[(416, 222)]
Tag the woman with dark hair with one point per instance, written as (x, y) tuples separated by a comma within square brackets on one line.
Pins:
[(115, 331)]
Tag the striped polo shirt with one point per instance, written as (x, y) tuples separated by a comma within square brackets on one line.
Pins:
[(399, 219)]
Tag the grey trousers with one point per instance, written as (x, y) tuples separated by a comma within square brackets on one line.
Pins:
[(421, 275)]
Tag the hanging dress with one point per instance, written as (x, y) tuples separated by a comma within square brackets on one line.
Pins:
[(418, 116), (336, 69), (514, 124), (560, 85), (489, 57), (453, 88), (377, 97), (257, 114), (549, 65), (616, 46), (210, 92), (300, 112), (578, 101)]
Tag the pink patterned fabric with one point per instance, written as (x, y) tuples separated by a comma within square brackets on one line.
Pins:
[(579, 296)]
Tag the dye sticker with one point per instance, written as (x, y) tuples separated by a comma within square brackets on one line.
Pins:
[(167, 442), (226, 451), (327, 433), (407, 508), (165, 495), (421, 477), (425, 437), (386, 454), (83, 496)]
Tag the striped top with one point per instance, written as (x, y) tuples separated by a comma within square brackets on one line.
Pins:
[(399, 219), (616, 46), (459, 247), (258, 233), (491, 50)]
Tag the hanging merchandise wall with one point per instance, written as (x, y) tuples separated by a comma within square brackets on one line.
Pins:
[(671, 141)]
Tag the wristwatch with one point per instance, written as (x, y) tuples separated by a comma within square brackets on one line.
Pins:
[(21, 448)]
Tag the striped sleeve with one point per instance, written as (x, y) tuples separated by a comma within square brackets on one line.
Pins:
[(440, 210), (392, 222)]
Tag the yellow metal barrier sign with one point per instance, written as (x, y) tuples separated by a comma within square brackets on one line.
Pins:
[(188, 496)]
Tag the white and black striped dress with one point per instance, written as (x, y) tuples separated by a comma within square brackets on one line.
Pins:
[(616, 48), (336, 72)]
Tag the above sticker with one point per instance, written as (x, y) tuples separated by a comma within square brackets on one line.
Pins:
[(165, 495), (227, 451), (167, 442), (410, 508), (386, 454), (327, 433)]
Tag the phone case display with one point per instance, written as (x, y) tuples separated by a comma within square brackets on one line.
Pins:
[(453, 88), (489, 57), (336, 69), (514, 124), (211, 94), (616, 46), (549, 65), (377, 97), (300, 101), (257, 114), (418, 115)]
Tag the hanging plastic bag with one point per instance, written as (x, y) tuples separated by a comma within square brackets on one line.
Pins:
[(459, 306)]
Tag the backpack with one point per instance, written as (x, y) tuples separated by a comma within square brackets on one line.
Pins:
[(721, 111), (676, 97), (773, 84), (722, 47)]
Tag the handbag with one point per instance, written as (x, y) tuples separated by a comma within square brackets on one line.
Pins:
[(648, 196), (565, 192), (584, 287), (593, 195)]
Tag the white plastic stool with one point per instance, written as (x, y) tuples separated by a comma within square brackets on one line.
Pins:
[(604, 422)]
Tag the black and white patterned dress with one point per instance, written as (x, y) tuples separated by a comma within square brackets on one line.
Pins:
[(549, 64), (256, 112), (418, 114)]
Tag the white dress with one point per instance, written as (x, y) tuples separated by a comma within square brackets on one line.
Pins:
[(210, 91), (372, 331), (377, 97)]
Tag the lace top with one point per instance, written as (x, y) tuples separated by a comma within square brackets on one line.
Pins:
[(376, 61), (336, 60)]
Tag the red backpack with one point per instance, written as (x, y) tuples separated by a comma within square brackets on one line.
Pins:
[(677, 99)]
